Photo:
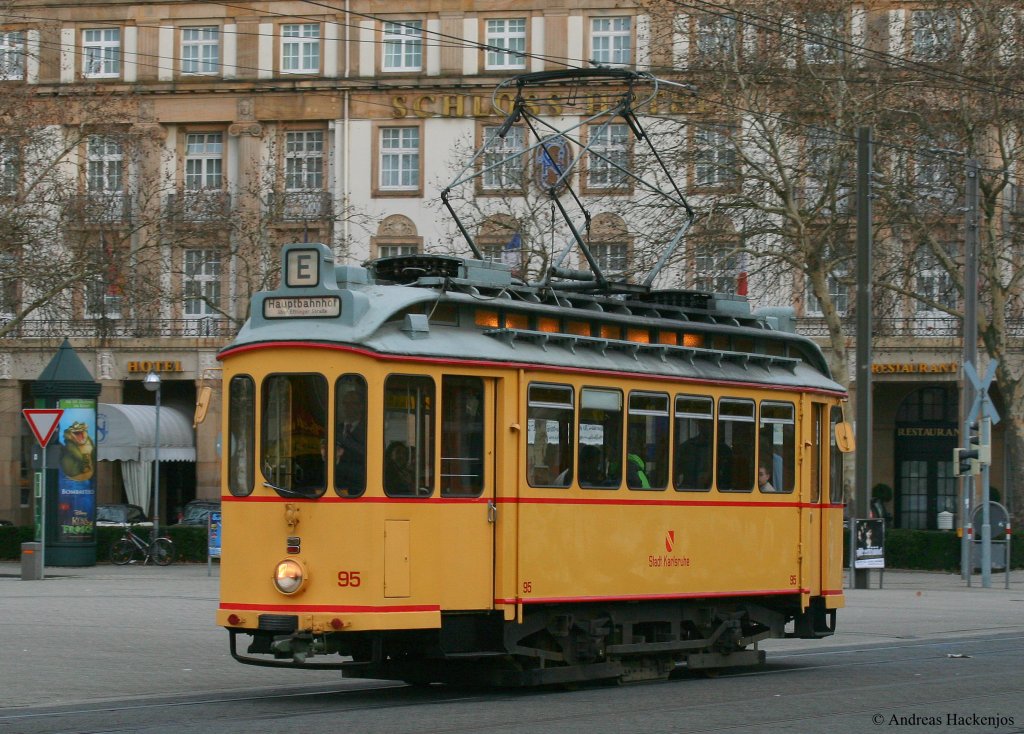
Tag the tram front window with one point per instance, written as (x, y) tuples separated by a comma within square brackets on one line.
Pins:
[(350, 436), (294, 427), (241, 434)]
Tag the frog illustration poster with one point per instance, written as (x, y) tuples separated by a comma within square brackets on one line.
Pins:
[(76, 471)]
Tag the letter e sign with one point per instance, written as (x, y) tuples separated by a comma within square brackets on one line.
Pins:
[(302, 268)]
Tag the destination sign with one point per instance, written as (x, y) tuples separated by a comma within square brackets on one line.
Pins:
[(302, 307)]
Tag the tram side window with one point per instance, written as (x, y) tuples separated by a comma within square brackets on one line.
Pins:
[(241, 435), (462, 436), (549, 435), (735, 446), (647, 441), (835, 482), (408, 469), (294, 426), (350, 436), (777, 446), (695, 447), (600, 438), (817, 419)]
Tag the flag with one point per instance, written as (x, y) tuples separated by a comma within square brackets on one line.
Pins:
[(511, 253)]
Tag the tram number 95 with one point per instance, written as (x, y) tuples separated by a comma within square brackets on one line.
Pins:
[(349, 578)]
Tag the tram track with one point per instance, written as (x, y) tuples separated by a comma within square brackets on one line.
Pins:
[(851, 684)]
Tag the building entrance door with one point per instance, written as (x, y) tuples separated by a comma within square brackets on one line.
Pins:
[(926, 434), (925, 486)]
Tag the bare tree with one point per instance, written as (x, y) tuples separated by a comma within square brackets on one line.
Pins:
[(781, 90), (768, 136), (52, 239), (965, 104), (230, 234)]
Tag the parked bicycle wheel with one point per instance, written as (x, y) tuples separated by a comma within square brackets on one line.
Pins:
[(122, 551), (162, 551)]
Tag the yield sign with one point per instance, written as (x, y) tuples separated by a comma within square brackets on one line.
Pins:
[(42, 421)]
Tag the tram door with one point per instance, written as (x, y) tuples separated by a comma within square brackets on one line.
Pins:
[(811, 514), (467, 491)]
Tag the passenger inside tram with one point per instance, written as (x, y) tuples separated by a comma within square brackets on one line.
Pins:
[(398, 475)]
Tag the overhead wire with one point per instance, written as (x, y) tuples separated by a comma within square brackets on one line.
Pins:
[(745, 17), (456, 41), (362, 83)]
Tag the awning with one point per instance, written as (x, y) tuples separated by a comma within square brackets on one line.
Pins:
[(128, 433)]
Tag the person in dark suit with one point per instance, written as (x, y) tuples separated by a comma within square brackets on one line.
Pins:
[(694, 456), (350, 444)]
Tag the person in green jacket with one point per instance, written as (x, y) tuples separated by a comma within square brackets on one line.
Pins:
[(636, 472)]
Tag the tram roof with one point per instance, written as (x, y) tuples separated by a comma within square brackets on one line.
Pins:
[(427, 307)]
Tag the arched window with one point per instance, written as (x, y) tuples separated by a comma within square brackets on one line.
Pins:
[(716, 262), (611, 245), (395, 236), (929, 404), (500, 240)]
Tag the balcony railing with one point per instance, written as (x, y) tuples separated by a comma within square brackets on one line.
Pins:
[(126, 328), (219, 327), (100, 208), (811, 192), (911, 327), (298, 206), (198, 206)]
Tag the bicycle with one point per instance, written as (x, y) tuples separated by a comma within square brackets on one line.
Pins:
[(160, 551)]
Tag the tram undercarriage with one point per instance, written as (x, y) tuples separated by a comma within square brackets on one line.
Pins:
[(554, 644)]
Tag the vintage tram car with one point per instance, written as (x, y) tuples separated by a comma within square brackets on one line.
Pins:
[(434, 472)]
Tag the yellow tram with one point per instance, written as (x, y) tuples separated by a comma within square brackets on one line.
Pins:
[(433, 472)]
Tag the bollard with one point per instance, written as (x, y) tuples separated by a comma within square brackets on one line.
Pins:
[(31, 561)]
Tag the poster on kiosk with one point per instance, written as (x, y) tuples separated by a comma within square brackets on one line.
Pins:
[(76, 471)]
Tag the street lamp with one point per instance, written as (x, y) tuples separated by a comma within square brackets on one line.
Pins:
[(152, 383)]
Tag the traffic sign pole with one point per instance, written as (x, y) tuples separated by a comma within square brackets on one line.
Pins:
[(42, 522), (43, 422), (986, 519), (986, 414), (970, 349)]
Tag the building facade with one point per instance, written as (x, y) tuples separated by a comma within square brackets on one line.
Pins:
[(196, 138)]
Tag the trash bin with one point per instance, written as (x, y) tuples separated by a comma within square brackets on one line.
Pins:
[(31, 561)]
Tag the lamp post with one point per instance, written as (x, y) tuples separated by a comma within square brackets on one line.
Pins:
[(152, 383)]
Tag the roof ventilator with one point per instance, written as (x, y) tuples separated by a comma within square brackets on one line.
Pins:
[(416, 326)]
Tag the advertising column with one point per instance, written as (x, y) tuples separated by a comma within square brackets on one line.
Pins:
[(70, 515)]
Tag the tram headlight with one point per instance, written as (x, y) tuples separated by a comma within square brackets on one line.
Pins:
[(289, 576)]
